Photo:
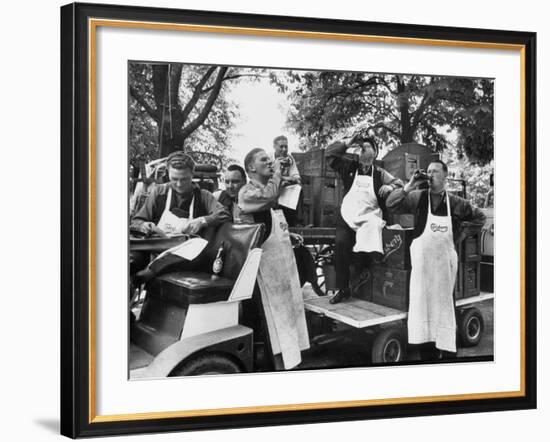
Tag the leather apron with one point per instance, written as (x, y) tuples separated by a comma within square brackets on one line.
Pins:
[(281, 294), (170, 223), (434, 264)]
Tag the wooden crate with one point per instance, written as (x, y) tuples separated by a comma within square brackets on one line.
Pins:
[(469, 249), (397, 243), (487, 276), (364, 290), (391, 287), (313, 163), (321, 200), (468, 279)]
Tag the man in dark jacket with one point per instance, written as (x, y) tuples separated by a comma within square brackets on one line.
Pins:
[(234, 179), (431, 320), (349, 168)]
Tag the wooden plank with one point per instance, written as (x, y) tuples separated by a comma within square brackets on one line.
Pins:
[(380, 309), (483, 296), (355, 312), (361, 314)]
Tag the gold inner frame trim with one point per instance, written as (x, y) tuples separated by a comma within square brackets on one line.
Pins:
[(92, 28)]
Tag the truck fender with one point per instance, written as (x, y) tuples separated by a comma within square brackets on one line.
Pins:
[(171, 356)]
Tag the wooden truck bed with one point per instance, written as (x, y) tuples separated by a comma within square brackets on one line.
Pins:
[(362, 314)]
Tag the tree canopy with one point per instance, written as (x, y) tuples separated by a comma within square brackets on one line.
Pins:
[(175, 106), (394, 108)]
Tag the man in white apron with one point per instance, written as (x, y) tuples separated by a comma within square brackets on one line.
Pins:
[(431, 318), (278, 280), (176, 207), (362, 212)]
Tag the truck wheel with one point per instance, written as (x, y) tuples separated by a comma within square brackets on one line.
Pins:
[(470, 327), (206, 364), (389, 346)]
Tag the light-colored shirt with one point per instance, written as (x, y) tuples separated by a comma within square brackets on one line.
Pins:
[(255, 197), (292, 171)]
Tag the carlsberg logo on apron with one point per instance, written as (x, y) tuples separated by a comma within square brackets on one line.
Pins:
[(361, 212), (434, 264), (170, 223)]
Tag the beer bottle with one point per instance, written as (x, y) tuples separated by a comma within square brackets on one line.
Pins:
[(217, 266)]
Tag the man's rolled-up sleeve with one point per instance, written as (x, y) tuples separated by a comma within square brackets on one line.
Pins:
[(217, 213), (254, 199), (400, 201), (389, 180), (466, 212), (146, 212)]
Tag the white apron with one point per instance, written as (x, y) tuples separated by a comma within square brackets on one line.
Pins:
[(433, 274), (361, 212), (170, 223), (281, 294)]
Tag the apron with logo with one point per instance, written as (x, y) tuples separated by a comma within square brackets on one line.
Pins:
[(281, 294), (170, 223), (361, 212), (434, 265)]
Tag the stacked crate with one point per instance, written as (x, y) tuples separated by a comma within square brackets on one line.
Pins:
[(469, 263), (322, 190), (389, 279)]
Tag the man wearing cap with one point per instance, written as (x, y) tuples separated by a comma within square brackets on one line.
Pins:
[(363, 209), (178, 206)]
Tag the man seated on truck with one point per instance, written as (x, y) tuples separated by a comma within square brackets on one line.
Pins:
[(234, 179), (366, 187), (438, 214), (178, 206)]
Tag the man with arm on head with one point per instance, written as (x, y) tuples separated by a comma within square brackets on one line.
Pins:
[(438, 214), (366, 187), (179, 206), (235, 179)]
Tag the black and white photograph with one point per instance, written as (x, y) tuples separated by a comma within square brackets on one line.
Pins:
[(287, 219)]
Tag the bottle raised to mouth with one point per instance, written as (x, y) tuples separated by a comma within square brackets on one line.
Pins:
[(422, 175)]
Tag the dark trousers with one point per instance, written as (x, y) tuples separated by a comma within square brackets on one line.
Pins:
[(428, 352), (348, 265), (138, 261)]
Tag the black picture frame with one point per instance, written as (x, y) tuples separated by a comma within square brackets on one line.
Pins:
[(77, 404)]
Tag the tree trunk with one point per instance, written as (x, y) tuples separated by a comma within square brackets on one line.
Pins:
[(404, 111)]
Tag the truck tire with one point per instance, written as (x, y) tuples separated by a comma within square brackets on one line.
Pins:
[(206, 364), (389, 346), (470, 327)]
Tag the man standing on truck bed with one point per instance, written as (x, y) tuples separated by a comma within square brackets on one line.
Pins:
[(438, 214), (285, 163), (366, 186)]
